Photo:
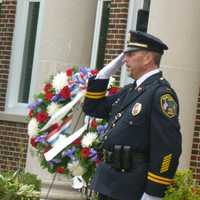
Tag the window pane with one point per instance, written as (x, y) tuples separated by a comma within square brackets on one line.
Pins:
[(28, 54), (143, 17), (103, 34)]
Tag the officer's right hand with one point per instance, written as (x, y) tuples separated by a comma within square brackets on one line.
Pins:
[(111, 68)]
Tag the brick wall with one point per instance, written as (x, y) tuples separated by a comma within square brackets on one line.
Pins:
[(13, 145), (117, 30), (7, 21), (195, 157), (13, 137)]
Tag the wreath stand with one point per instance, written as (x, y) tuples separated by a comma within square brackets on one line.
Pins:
[(77, 122)]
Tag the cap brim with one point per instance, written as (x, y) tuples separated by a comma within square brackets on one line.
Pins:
[(131, 49)]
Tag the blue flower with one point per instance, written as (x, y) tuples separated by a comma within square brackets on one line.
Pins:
[(55, 98), (69, 153), (93, 154), (56, 161)]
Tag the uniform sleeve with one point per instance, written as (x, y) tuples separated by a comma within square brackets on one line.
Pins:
[(165, 142), (96, 103)]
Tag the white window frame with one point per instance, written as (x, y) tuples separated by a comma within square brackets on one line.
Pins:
[(12, 105), (97, 29), (134, 6)]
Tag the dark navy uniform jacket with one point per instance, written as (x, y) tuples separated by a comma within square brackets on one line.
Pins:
[(145, 118)]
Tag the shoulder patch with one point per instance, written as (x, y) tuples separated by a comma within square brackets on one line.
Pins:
[(168, 105)]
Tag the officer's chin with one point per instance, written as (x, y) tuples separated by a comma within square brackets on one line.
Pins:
[(128, 73)]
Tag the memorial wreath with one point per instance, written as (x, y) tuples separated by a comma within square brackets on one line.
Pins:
[(61, 147)]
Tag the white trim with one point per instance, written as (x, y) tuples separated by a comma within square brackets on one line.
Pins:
[(97, 29), (134, 6), (12, 105)]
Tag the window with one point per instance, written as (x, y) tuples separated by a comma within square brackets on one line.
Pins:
[(143, 17), (100, 34), (24, 48), (28, 54)]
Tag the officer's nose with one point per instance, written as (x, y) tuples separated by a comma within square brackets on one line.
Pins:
[(125, 58)]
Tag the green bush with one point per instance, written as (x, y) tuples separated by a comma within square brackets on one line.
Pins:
[(19, 185), (184, 187)]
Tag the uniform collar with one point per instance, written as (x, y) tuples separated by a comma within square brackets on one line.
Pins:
[(146, 76)]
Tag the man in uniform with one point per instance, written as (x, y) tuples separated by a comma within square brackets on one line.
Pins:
[(142, 143)]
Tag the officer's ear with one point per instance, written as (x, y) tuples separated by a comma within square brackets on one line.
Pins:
[(148, 57)]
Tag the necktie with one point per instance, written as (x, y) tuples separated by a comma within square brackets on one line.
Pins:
[(134, 85)]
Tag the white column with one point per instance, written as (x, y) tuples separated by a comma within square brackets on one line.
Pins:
[(177, 23)]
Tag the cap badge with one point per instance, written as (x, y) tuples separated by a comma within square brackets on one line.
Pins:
[(136, 109)]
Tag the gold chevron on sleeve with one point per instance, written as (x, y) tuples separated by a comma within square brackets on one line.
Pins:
[(159, 179), (95, 95), (166, 163)]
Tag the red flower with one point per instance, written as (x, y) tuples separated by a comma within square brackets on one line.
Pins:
[(77, 141), (65, 92), (94, 72), (85, 152), (33, 142), (48, 96), (98, 161), (42, 117), (113, 90), (54, 126), (46, 149), (60, 170), (94, 124), (69, 71), (30, 113), (48, 87)]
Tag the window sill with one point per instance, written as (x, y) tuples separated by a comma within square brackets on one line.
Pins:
[(11, 117)]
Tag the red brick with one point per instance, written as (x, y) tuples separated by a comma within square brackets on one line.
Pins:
[(195, 157)]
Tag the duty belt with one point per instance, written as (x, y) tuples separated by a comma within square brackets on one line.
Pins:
[(122, 158)]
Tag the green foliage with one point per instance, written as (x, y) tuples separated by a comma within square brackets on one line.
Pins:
[(184, 187), (19, 186)]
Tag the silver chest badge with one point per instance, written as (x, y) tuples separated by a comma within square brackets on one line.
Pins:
[(136, 109)]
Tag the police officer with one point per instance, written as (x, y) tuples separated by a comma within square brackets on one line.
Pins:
[(142, 143)]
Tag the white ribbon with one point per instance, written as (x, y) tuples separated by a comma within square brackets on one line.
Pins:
[(63, 142), (63, 111)]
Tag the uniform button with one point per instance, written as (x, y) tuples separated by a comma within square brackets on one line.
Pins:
[(122, 170), (161, 78), (106, 137), (113, 125), (119, 115), (130, 122)]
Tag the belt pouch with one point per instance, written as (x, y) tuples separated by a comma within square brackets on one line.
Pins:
[(117, 157), (127, 158)]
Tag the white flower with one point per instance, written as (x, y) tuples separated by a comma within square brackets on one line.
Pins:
[(111, 81), (75, 168), (59, 81), (88, 139), (33, 127), (52, 108)]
